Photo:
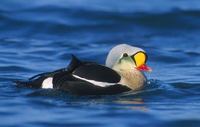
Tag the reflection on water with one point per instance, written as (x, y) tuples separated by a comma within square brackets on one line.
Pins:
[(137, 104)]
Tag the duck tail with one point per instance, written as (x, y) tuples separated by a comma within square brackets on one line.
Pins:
[(20, 83), (29, 83)]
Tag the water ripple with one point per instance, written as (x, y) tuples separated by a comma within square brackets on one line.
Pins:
[(40, 36)]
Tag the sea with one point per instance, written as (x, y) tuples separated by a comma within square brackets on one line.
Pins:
[(39, 36)]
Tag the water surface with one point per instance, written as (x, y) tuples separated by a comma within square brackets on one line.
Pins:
[(39, 36)]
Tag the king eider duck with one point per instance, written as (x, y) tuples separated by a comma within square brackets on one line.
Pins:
[(123, 72)]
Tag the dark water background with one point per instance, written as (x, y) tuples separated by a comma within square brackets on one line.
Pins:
[(38, 36)]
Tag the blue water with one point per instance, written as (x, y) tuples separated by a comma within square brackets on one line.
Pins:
[(39, 36)]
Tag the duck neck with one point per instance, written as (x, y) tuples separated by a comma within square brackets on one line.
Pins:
[(133, 78)]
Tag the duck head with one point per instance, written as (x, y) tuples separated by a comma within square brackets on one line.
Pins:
[(128, 57), (129, 62)]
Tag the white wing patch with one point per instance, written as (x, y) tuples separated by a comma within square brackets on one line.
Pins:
[(97, 83), (47, 83)]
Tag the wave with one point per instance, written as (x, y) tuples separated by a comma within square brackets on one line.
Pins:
[(53, 19)]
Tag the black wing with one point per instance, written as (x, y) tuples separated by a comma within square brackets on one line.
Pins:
[(97, 73), (66, 82), (93, 71)]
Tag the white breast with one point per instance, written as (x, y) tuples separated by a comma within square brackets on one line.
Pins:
[(133, 79)]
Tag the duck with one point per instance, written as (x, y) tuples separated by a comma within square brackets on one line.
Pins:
[(123, 71)]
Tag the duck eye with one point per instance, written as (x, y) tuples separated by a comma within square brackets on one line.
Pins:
[(125, 55)]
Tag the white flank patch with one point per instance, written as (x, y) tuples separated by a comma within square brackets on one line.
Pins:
[(47, 83), (97, 83)]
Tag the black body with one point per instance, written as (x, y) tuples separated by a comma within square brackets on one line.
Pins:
[(63, 79)]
